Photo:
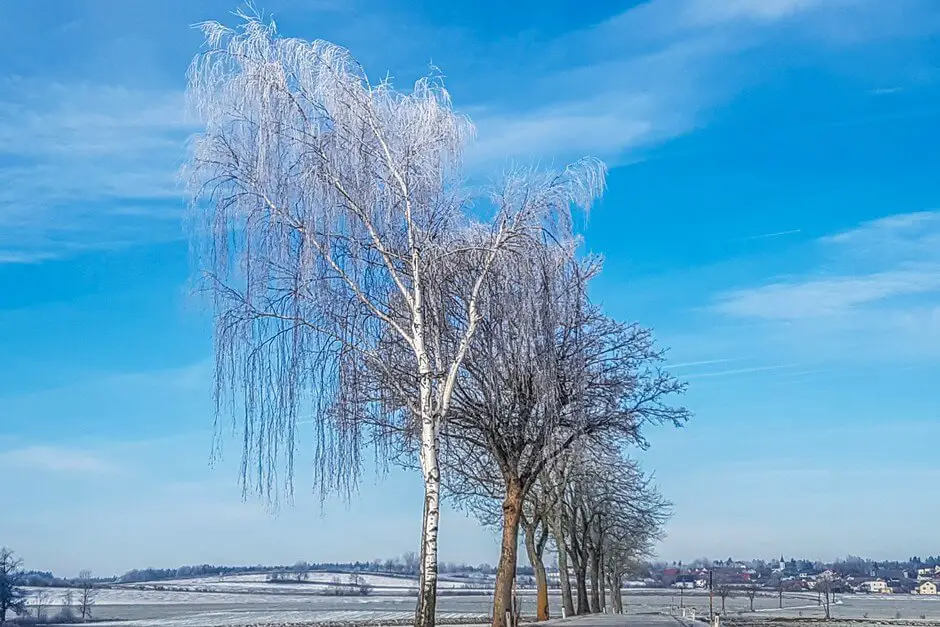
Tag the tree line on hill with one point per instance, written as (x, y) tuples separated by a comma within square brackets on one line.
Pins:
[(405, 566)]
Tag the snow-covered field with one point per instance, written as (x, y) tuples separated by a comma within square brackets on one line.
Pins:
[(129, 596), (796, 605), (314, 582), (256, 588), (250, 599), (290, 617), (243, 600)]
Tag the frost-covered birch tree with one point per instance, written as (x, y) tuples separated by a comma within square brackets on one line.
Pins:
[(328, 215)]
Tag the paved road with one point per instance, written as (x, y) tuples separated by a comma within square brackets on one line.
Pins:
[(616, 620)]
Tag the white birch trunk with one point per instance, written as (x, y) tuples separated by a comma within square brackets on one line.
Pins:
[(430, 470), (427, 591)]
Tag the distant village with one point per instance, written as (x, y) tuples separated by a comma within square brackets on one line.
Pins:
[(849, 576)]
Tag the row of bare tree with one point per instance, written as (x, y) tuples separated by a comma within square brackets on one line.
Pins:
[(594, 508), (13, 597), (553, 393), (356, 283)]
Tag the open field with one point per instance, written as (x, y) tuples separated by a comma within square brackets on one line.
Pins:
[(244, 600), (795, 605)]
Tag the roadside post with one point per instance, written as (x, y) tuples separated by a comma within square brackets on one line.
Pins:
[(711, 596)]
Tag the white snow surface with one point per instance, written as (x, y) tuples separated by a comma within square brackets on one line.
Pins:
[(237, 619), (251, 588), (248, 602), (125, 596), (258, 582)]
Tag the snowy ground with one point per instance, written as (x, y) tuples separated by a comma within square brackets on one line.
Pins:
[(796, 605), (134, 608), (240, 601), (257, 582)]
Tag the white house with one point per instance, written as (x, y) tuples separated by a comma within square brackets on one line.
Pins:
[(874, 586), (925, 587)]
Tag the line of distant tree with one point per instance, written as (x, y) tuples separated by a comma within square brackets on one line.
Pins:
[(45, 579), (850, 565), (405, 566)]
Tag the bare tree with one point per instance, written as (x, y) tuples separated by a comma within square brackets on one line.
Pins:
[(544, 372), (623, 555), (336, 586), (824, 584), (86, 595), (41, 603), (750, 592), (609, 501), (12, 597), (556, 478), (66, 613), (410, 562), (537, 507), (724, 591), (328, 213)]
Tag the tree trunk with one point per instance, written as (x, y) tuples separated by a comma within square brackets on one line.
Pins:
[(579, 562), (563, 579), (580, 576), (427, 582), (596, 583), (506, 571), (603, 584), (618, 581), (616, 599), (541, 580), (597, 567)]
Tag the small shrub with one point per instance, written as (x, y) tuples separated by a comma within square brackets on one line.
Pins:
[(65, 615), (897, 614), (923, 617), (865, 615)]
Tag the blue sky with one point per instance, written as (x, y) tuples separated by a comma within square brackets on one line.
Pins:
[(772, 212)]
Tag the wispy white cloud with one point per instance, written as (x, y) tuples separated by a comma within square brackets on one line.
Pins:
[(827, 296), (736, 371), (772, 235), (704, 362), (55, 459), (873, 290), (86, 166), (891, 257), (25, 256), (652, 73), (908, 236), (706, 12), (885, 91)]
